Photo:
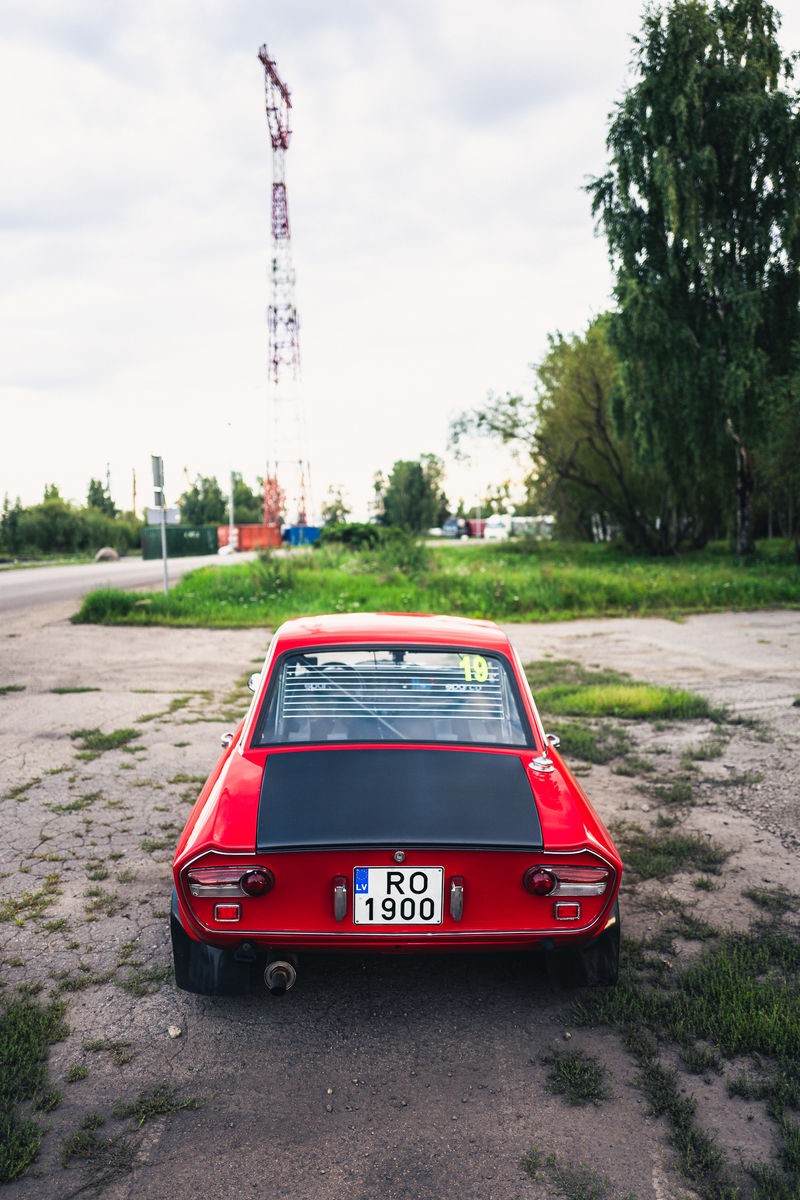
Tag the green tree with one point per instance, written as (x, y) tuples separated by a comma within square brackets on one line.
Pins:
[(413, 497), (98, 498), (203, 502), (582, 466), (248, 505), (335, 510), (701, 210)]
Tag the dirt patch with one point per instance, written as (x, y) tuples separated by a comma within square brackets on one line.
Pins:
[(398, 1077)]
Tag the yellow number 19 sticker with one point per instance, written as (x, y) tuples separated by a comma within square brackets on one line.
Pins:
[(475, 668)]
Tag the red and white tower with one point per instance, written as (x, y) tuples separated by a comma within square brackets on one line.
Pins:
[(287, 462)]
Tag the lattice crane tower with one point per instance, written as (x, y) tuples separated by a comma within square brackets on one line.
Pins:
[(288, 433)]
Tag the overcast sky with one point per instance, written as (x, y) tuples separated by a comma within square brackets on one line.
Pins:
[(439, 226)]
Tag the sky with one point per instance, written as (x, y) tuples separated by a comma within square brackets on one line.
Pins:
[(440, 229)]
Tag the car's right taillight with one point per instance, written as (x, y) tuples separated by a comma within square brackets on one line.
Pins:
[(560, 879)]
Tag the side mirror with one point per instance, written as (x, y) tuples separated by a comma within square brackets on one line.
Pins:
[(553, 740), (254, 681), (226, 740)]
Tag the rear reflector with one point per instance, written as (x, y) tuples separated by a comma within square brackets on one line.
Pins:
[(227, 912)]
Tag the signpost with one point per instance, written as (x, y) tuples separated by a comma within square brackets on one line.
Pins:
[(158, 484)]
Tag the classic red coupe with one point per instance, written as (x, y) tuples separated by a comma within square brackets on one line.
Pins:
[(391, 789)]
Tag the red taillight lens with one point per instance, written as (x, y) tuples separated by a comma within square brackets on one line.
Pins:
[(539, 882), (257, 882)]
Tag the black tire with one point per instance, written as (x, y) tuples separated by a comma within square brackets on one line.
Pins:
[(594, 964), (207, 970)]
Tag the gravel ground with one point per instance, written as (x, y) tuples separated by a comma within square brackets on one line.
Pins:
[(390, 1077)]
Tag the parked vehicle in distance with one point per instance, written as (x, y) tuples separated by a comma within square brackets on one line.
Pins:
[(463, 527), (455, 527), (390, 789), (497, 528)]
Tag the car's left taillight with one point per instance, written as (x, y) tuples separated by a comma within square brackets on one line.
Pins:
[(229, 881)]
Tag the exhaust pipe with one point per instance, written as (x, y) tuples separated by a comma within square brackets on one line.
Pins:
[(280, 976)]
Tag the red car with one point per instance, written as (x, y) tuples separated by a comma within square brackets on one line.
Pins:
[(391, 789)]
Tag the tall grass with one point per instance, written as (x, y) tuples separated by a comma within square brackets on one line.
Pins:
[(498, 582)]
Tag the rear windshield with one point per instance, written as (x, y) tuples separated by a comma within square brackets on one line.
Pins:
[(384, 694)]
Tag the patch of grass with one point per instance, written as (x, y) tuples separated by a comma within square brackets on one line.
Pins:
[(594, 744), (739, 996), (577, 1076), (656, 856), (65, 981), (72, 691), (701, 1060), (571, 1183), (774, 900), (633, 701), (30, 904), (632, 765), (156, 1101), (143, 981), (76, 1073), (21, 788), (713, 748), (508, 582), (106, 903), (677, 791), (28, 1028), (120, 1052), (76, 805), (94, 741), (8, 688), (151, 845)]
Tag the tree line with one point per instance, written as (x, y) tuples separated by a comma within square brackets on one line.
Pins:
[(675, 417)]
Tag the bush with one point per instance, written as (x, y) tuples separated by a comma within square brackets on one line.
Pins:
[(56, 527), (352, 533)]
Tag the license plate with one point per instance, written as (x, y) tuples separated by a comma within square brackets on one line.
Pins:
[(398, 895)]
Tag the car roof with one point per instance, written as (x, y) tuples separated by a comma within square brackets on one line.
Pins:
[(411, 628)]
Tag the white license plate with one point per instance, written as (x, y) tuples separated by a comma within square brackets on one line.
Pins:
[(398, 895)]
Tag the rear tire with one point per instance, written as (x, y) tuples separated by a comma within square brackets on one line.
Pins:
[(595, 964), (207, 970)]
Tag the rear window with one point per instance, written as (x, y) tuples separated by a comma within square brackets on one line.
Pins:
[(358, 694)]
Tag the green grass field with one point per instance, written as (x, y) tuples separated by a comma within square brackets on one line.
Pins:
[(506, 582)]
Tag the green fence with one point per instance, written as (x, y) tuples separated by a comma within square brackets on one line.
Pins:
[(181, 540)]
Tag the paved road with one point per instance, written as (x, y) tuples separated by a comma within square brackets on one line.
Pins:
[(32, 587)]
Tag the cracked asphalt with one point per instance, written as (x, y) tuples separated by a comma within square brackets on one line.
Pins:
[(385, 1077)]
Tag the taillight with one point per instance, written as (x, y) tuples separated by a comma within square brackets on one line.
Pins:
[(229, 881), (539, 882), (566, 880), (257, 882)]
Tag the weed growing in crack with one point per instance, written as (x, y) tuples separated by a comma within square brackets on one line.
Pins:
[(94, 742), (156, 1101), (121, 1052), (143, 981), (577, 1076), (572, 1183)]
